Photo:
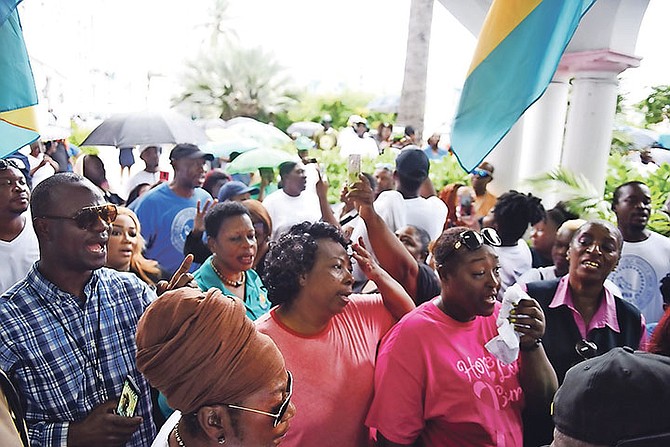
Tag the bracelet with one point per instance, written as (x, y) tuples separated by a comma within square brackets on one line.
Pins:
[(536, 344)]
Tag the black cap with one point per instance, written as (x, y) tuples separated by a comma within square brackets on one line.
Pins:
[(190, 151), (618, 396), (412, 164)]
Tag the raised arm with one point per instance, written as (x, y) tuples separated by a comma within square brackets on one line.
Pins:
[(390, 252), (396, 299), (327, 214)]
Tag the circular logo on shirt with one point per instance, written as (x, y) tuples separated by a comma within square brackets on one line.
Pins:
[(637, 280), (182, 224)]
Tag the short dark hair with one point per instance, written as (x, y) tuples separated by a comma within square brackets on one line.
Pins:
[(617, 192), (286, 168), (424, 238), (559, 214), (513, 212), (43, 196), (292, 256), (218, 213), (445, 256)]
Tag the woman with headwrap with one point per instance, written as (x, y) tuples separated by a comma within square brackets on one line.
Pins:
[(227, 381), (328, 335)]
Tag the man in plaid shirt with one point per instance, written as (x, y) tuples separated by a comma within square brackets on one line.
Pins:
[(67, 331)]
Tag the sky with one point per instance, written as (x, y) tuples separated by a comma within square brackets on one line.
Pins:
[(354, 44)]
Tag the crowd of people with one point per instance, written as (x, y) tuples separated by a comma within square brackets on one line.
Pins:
[(247, 315)]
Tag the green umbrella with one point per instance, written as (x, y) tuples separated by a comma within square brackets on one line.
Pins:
[(259, 158)]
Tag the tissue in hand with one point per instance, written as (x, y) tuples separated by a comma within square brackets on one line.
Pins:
[(505, 345)]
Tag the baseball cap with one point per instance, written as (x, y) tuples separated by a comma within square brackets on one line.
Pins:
[(190, 151), (412, 164), (356, 119), (620, 398), (148, 146), (234, 188)]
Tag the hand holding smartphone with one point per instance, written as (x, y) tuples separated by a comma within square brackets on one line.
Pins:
[(353, 168), (130, 395)]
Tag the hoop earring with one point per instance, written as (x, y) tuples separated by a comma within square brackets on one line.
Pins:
[(222, 440)]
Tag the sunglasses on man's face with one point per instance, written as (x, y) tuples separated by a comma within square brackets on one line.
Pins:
[(87, 217), (282, 408), (473, 240)]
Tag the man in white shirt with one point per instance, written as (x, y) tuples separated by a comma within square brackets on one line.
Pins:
[(41, 164), (18, 242), (645, 257), (292, 204), (355, 140), (150, 175)]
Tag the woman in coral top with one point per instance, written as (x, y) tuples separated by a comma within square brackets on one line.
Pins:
[(328, 335)]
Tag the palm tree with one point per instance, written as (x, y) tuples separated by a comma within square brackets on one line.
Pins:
[(413, 96), (234, 81)]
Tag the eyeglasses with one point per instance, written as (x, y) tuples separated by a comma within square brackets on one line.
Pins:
[(282, 408), (473, 240), (87, 217), (586, 349), (6, 164), (481, 173)]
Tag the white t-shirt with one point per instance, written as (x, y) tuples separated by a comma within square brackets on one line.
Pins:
[(163, 437), (639, 273), (398, 212), (514, 262), (142, 177), (286, 211), (42, 173), (18, 255), (351, 143)]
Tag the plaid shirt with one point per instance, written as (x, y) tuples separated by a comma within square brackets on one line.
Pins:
[(48, 342)]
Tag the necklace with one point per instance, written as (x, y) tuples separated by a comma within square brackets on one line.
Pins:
[(180, 443), (229, 282)]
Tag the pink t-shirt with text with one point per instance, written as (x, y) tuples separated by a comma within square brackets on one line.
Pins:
[(436, 381), (333, 373)]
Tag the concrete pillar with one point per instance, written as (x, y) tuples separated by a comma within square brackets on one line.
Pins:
[(544, 129), (588, 130), (506, 158)]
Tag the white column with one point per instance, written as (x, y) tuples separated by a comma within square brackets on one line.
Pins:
[(506, 158), (588, 130), (588, 133), (544, 129)]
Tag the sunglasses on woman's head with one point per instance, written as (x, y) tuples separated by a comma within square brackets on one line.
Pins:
[(87, 217), (473, 240), (282, 408), (6, 164)]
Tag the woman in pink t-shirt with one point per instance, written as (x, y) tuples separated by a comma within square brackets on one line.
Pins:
[(435, 382), (328, 335)]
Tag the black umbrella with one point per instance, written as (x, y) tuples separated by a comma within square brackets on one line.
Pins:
[(131, 129)]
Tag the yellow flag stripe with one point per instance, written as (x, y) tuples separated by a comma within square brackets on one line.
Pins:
[(502, 18), (25, 117)]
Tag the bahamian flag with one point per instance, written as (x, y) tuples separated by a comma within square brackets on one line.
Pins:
[(17, 85), (519, 48)]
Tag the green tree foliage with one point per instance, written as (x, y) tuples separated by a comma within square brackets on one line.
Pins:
[(582, 198), (656, 106), (230, 81)]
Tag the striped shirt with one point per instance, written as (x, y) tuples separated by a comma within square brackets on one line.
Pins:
[(66, 356)]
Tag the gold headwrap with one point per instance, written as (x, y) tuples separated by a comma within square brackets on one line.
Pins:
[(200, 349)]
